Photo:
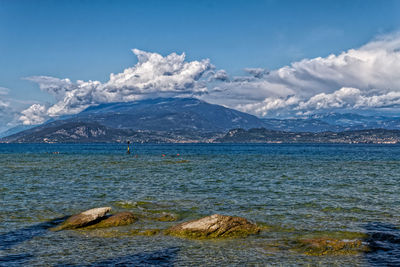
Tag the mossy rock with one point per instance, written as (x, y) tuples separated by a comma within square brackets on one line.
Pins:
[(330, 246), (150, 232), (147, 232), (118, 219), (107, 233), (214, 226), (167, 217), (84, 219), (348, 235)]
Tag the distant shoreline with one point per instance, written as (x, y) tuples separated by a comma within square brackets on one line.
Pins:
[(197, 143)]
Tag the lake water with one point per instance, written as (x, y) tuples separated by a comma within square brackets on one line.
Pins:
[(294, 192)]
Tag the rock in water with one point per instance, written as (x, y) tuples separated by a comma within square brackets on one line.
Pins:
[(215, 226), (118, 219), (330, 246), (84, 218), (167, 217)]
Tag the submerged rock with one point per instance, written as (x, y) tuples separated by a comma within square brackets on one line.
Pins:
[(167, 217), (215, 226), (84, 218), (118, 219), (330, 246), (146, 232)]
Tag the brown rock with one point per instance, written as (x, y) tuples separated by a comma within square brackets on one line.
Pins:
[(118, 219), (215, 226), (330, 246), (84, 218), (167, 217)]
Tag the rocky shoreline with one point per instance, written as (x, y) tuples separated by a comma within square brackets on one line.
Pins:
[(215, 226)]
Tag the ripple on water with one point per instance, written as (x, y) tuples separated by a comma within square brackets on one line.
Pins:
[(322, 193)]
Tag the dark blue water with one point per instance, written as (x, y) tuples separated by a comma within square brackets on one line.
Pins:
[(294, 191)]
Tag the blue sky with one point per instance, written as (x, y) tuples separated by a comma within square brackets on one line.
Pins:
[(88, 40)]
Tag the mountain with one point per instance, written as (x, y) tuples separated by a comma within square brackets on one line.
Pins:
[(154, 120), (85, 132), (335, 122), (168, 114), (15, 130), (301, 125), (192, 120), (262, 135), (358, 122)]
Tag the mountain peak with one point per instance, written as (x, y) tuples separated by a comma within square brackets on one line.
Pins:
[(167, 114)]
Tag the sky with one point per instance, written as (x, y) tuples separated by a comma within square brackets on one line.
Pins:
[(268, 58)]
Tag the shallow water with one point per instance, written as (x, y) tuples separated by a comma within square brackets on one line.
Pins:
[(294, 191)]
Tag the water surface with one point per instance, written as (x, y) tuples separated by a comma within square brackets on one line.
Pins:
[(293, 191)]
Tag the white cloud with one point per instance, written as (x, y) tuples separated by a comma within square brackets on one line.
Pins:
[(364, 78), (219, 75), (54, 86), (389, 100), (373, 66), (35, 114), (350, 98), (156, 74), (153, 75), (269, 104), (256, 72), (358, 78), (344, 98)]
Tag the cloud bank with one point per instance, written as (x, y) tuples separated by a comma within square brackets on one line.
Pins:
[(347, 98), (152, 76), (364, 78), (367, 77)]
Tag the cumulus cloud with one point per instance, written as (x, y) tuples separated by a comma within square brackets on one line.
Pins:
[(367, 77), (219, 75), (389, 100), (153, 75), (350, 98), (269, 104), (35, 114), (256, 72), (54, 86), (344, 98)]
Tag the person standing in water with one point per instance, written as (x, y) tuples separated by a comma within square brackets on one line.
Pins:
[(128, 151)]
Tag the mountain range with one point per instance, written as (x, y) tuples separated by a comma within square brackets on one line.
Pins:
[(334, 122), (152, 120), (262, 135), (181, 120)]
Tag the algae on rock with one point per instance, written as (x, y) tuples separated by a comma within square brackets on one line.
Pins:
[(167, 217), (118, 219), (83, 219), (330, 246), (214, 226)]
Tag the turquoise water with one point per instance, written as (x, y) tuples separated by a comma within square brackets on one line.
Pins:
[(292, 191)]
